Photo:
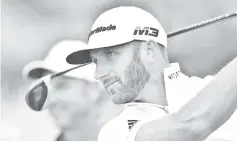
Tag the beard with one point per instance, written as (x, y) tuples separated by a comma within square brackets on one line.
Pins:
[(136, 77)]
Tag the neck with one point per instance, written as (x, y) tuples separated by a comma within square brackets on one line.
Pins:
[(154, 92)]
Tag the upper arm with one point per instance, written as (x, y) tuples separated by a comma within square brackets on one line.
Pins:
[(203, 114), (168, 129)]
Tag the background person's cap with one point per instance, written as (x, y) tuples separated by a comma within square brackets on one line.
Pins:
[(120, 25), (55, 62)]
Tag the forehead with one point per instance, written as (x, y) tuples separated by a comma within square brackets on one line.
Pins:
[(118, 48)]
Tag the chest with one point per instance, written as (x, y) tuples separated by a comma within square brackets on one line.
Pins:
[(125, 126)]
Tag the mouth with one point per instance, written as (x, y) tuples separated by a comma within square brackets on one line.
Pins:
[(109, 82), (111, 92)]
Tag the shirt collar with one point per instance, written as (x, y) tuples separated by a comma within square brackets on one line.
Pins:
[(169, 74), (149, 106)]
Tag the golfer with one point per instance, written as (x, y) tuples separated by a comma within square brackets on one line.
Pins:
[(129, 47)]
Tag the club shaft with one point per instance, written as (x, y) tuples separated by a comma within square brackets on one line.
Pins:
[(63, 72), (202, 24)]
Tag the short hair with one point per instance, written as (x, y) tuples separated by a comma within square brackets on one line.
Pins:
[(137, 43)]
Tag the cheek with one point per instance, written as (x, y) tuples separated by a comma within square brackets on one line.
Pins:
[(120, 66)]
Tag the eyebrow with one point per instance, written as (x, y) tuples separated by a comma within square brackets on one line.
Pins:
[(111, 48), (92, 57)]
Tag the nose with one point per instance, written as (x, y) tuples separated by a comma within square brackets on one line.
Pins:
[(102, 69)]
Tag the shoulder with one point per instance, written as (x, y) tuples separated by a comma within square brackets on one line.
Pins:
[(109, 130), (181, 83), (109, 125), (180, 88), (201, 81)]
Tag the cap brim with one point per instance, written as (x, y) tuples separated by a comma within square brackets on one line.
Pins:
[(35, 70), (83, 56), (79, 57)]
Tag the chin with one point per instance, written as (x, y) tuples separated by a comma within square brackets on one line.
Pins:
[(118, 102), (119, 98)]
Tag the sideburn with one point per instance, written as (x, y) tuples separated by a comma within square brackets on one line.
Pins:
[(136, 73)]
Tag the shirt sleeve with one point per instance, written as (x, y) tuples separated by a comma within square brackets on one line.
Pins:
[(182, 89)]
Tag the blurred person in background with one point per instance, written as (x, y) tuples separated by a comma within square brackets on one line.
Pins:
[(128, 46), (75, 100), (8, 132)]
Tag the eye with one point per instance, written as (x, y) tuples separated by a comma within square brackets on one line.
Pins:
[(93, 60), (110, 54)]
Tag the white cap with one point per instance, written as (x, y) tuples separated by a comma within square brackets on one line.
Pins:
[(120, 25), (55, 62)]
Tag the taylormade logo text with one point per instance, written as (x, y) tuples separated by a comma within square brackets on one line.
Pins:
[(146, 31), (102, 29)]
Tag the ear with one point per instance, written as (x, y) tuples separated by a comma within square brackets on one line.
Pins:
[(163, 52), (149, 51)]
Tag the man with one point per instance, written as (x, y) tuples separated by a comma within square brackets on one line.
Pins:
[(128, 46), (74, 99)]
